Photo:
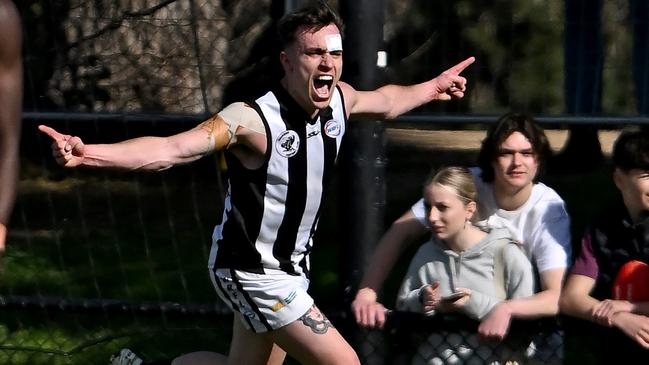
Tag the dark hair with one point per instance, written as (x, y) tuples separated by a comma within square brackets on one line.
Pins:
[(631, 151), (499, 132), (313, 18)]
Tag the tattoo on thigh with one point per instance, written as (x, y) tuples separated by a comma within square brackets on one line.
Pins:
[(315, 320)]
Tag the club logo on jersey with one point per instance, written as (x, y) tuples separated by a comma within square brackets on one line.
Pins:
[(287, 144), (332, 128)]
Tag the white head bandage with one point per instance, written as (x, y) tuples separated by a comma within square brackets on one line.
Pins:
[(334, 43)]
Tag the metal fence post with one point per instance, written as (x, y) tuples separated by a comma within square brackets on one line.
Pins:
[(363, 163)]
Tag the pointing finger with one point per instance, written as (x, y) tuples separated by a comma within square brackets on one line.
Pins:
[(461, 66), (51, 132)]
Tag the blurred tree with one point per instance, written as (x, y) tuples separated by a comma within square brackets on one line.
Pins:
[(191, 56), (43, 40), (173, 56), (517, 46), (259, 67), (585, 54)]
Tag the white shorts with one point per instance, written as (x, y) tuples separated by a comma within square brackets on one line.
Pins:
[(265, 302)]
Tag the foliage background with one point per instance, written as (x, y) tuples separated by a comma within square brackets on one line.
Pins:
[(193, 56)]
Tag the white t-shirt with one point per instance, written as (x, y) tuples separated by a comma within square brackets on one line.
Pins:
[(542, 224)]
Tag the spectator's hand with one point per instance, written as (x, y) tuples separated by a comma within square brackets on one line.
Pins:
[(367, 311), (67, 150), (449, 84), (430, 297), (633, 325), (496, 324), (604, 311)]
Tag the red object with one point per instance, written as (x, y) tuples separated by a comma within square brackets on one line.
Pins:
[(632, 282)]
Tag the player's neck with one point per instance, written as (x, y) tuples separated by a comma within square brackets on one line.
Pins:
[(297, 96)]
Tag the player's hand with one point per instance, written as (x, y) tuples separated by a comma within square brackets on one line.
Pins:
[(603, 312), (449, 84), (633, 325), (66, 149), (496, 324), (367, 311)]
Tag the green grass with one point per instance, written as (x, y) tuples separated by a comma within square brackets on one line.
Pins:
[(140, 238), (54, 337)]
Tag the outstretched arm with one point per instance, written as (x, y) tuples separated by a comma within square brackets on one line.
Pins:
[(10, 107), (144, 153), (405, 230), (156, 153), (390, 101)]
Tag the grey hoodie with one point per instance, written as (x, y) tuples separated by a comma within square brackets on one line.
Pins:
[(491, 278)]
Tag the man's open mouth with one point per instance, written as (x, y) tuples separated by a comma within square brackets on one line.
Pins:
[(322, 85)]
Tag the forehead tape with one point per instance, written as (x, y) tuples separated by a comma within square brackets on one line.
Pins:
[(334, 43)]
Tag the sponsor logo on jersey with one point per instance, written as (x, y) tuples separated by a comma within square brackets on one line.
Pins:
[(312, 130), (332, 128), (284, 302), (290, 297), (277, 306), (287, 144)]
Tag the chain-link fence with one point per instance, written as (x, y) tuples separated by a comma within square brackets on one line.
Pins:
[(415, 339), (99, 260)]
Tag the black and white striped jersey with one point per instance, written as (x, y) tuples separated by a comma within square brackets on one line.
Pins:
[(271, 213)]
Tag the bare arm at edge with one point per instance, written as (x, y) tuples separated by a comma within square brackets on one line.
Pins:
[(10, 109)]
